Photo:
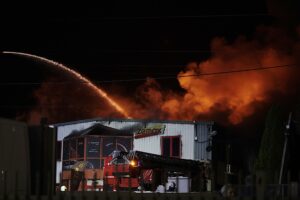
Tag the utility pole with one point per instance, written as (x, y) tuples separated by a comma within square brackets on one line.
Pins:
[(228, 165), (286, 134)]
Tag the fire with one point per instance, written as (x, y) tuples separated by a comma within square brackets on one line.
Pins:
[(227, 97), (233, 95), (238, 92)]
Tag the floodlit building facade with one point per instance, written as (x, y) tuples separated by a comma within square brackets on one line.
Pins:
[(93, 140)]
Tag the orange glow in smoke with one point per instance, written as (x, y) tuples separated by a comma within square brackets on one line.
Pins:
[(235, 93), (229, 97), (99, 91), (224, 98)]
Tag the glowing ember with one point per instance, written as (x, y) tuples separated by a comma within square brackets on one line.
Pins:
[(99, 91)]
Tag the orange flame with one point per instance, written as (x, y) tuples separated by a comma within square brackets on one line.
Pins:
[(223, 98), (235, 95)]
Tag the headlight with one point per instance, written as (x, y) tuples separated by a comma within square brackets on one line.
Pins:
[(133, 163), (63, 188)]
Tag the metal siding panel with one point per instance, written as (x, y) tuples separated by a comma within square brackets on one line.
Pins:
[(204, 134), (149, 144), (202, 142), (153, 144)]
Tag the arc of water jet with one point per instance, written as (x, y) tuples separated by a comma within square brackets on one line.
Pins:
[(90, 84)]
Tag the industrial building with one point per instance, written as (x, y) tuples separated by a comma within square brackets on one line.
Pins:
[(94, 139)]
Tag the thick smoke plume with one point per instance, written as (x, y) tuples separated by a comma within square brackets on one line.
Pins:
[(233, 96), (67, 102), (228, 97)]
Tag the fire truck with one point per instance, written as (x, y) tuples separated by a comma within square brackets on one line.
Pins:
[(146, 171)]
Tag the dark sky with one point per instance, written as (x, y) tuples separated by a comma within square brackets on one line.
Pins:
[(98, 38), (117, 40)]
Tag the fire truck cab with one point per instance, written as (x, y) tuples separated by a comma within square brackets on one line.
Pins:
[(118, 172), (146, 171)]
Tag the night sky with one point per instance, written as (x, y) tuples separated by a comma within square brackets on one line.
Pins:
[(120, 40), (102, 40)]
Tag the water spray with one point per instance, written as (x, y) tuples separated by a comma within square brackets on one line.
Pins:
[(76, 74)]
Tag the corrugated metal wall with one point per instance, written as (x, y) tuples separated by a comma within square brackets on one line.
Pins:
[(152, 144), (194, 137), (202, 141)]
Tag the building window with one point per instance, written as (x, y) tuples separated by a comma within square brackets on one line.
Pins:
[(93, 147), (109, 145), (58, 150), (80, 148), (171, 146), (73, 149), (124, 144), (95, 163), (66, 149), (175, 146), (166, 147)]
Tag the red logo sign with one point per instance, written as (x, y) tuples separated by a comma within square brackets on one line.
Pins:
[(149, 131)]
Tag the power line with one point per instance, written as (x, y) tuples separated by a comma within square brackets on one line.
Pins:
[(157, 78), (203, 74), (154, 51), (168, 17), (134, 66), (11, 106)]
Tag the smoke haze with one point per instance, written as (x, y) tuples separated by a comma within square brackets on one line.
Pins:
[(229, 98)]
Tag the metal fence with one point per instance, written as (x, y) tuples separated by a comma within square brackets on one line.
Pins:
[(259, 191), (114, 196), (138, 196), (270, 191), (121, 195)]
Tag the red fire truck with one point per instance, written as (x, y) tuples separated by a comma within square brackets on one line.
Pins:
[(117, 172), (130, 170)]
